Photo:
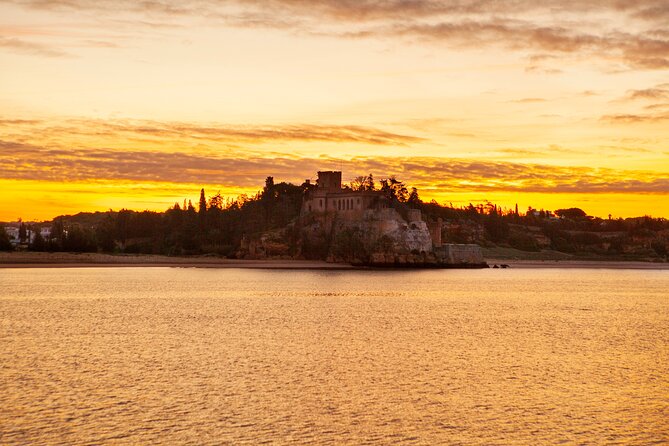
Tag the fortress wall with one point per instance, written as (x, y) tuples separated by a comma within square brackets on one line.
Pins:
[(456, 254), (435, 232)]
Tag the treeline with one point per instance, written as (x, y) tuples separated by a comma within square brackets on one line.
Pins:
[(217, 226), (569, 231)]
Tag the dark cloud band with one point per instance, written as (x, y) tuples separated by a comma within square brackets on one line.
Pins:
[(30, 162)]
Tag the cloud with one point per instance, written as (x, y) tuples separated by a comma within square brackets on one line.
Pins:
[(19, 122), (183, 131), (657, 106), (632, 118), (579, 28), (31, 162), (635, 50), (529, 100), (656, 93), (100, 44), (24, 47)]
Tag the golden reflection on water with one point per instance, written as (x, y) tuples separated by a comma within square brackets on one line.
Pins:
[(205, 356)]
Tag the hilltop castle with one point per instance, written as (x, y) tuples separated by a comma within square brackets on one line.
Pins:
[(363, 227), (330, 196), (367, 226)]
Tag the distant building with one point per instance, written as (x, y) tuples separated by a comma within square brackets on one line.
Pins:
[(367, 227), (13, 233), (45, 232), (329, 196), (336, 207)]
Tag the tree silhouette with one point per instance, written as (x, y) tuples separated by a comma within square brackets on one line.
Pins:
[(395, 189), (216, 202), (414, 199), (573, 213), (5, 244), (363, 183), (23, 232), (358, 183), (369, 182), (202, 210), (38, 243)]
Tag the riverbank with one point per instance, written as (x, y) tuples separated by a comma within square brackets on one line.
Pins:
[(582, 264), (554, 259), (78, 260), (69, 260)]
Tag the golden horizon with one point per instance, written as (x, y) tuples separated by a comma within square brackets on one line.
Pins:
[(140, 105)]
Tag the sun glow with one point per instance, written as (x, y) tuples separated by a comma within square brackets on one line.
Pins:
[(138, 106)]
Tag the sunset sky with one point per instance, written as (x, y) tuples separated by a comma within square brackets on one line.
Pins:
[(138, 104)]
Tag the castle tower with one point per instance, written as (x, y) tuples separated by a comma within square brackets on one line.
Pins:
[(329, 180)]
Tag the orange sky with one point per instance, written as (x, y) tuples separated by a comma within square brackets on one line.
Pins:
[(110, 104)]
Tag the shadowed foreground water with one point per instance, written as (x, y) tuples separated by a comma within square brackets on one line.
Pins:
[(207, 356)]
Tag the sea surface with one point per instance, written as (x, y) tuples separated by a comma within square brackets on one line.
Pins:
[(231, 356)]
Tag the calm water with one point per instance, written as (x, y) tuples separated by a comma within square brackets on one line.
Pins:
[(207, 356)]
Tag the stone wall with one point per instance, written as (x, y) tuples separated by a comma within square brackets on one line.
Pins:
[(435, 228), (455, 254)]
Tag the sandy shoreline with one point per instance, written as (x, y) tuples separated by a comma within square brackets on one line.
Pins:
[(82, 260), (589, 264), (95, 260)]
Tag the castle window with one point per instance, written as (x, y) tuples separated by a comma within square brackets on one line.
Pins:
[(321, 205)]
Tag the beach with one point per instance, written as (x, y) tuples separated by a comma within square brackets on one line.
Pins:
[(591, 264), (69, 260)]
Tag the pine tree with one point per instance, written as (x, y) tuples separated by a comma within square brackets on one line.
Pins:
[(23, 232), (203, 203)]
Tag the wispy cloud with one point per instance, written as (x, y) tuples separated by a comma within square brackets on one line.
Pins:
[(32, 162), (529, 100), (660, 91), (25, 47), (632, 118), (658, 106), (543, 28), (133, 129)]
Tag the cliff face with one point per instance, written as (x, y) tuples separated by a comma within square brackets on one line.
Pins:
[(373, 237), (382, 237), (387, 224)]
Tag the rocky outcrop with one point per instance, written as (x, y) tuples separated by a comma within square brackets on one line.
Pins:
[(406, 237), (373, 237), (268, 245), (382, 238)]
